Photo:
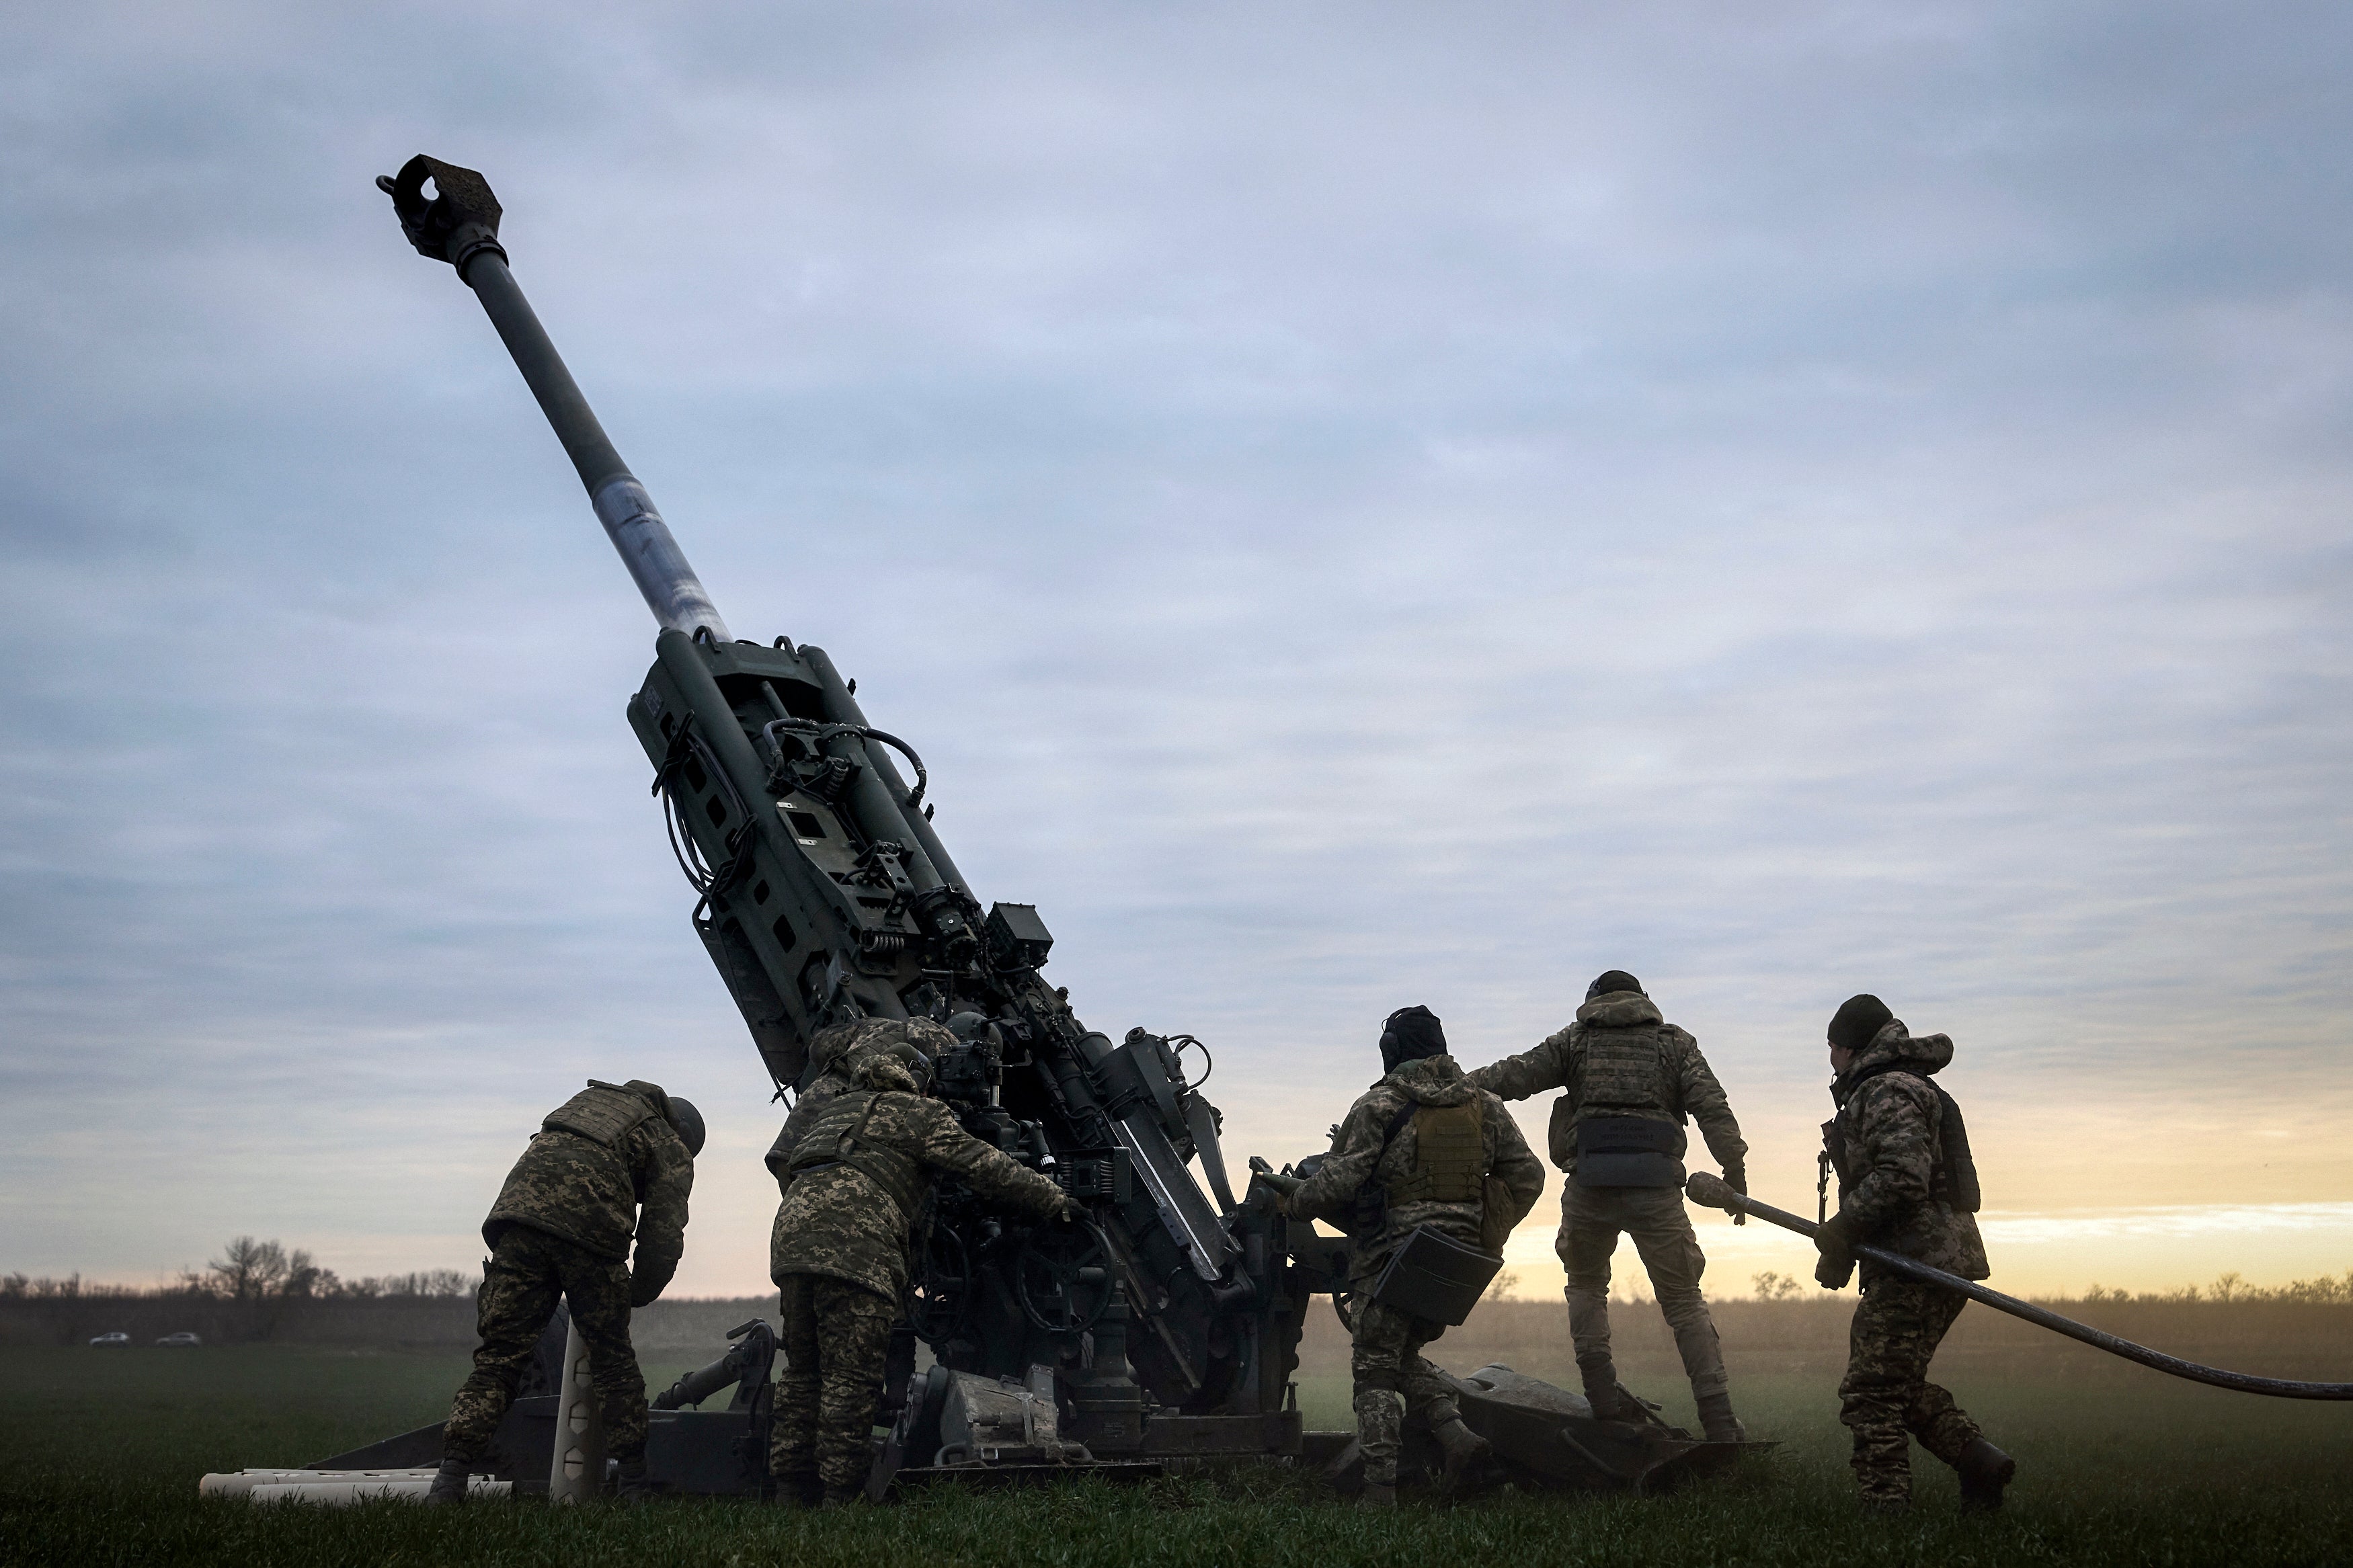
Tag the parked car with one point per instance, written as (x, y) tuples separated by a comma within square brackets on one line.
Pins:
[(179, 1341), (107, 1341)]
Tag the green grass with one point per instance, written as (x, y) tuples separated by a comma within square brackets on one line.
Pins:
[(100, 1452)]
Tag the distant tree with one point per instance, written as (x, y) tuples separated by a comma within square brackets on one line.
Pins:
[(1773, 1287), (249, 1271), (1500, 1288)]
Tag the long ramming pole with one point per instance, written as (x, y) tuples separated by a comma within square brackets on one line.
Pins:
[(460, 224), (1710, 1192)]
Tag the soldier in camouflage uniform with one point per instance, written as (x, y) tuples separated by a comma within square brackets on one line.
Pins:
[(858, 1172), (1907, 1184), (832, 1058), (612, 1164), (1632, 1080), (1426, 1149)]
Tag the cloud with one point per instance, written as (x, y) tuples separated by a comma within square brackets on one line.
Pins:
[(1354, 506)]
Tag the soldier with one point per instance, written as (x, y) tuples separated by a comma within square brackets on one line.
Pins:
[(1426, 1149), (615, 1161), (1632, 1080), (858, 1173), (831, 1055), (1906, 1184)]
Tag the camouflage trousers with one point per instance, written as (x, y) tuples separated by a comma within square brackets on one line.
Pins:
[(837, 1336), (1394, 1384), (1887, 1398), (1591, 1219), (527, 1272)]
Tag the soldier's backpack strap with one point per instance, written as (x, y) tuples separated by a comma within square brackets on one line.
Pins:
[(1372, 1198), (602, 1113)]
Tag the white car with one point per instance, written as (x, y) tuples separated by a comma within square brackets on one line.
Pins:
[(109, 1341), (180, 1341)]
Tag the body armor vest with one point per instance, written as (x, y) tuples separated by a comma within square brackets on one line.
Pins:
[(839, 1138), (602, 1113), (1450, 1155), (1954, 1180), (1625, 1074)]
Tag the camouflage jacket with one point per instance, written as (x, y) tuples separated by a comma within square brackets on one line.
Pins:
[(840, 1221), (1891, 1125), (1363, 1152), (1686, 1088), (607, 1166), (833, 1056)]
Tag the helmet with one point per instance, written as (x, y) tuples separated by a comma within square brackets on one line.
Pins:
[(689, 1122)]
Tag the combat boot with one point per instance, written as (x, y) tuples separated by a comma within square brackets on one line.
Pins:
[(1717, 1421), (1985, 1471), (1464, 1449), (1608, 1399), (449, 1483), (798, 1492), (1376, 1498), (631, 1485), (842, 1497)]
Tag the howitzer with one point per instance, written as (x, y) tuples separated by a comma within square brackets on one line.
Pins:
[(824, 895), (1712, 1192), (1167, 1327)]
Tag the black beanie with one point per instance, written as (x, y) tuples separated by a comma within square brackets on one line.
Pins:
[(1613, 980), (1858, 1020), (1409, 1035)]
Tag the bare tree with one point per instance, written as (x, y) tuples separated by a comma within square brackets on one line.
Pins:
[(251, 1271)]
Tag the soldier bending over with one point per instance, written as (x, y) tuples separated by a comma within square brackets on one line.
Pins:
[(1906, 1184), (614, 1161), (1632, 1080), (1430, 1150), (856, 1174)]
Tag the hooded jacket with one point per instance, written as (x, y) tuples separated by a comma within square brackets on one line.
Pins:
[(863, 1167), (834, 1056), (607, 1166), (1685, 1088), (1364, 1150), (1892, 1126)]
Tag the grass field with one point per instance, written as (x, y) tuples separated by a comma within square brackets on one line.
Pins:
[(100, 1452)]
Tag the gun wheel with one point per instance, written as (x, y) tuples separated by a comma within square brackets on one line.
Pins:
[(939, 1297), (1062, 1278)]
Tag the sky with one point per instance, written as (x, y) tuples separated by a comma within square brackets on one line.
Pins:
[(1356, 504)]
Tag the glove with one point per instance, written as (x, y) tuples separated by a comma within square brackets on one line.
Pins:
[(649, 1278), (1835, 1241), (1736, 1177)]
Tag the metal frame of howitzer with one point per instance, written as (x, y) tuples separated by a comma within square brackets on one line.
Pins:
[(1167, 1327)]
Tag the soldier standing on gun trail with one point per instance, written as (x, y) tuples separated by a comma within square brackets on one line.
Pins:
[(855, 1178), (1632, 1080), (613, 1163), (1906, 1184), (1426, 1149)]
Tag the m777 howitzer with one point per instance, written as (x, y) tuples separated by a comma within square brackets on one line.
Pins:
[(1165, 1329)]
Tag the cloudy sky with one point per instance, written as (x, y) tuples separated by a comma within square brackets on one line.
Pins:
[(1357, 504)]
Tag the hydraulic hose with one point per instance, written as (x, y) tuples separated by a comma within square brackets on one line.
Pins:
[(1711, 1192)]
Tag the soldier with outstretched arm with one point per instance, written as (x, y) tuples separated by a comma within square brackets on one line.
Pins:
[(1907, 1184), (611, 1165), (1631, 1080), (856, 1173), (1421, 1148)]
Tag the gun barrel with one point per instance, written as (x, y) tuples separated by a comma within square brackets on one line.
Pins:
[(1712, 1192), (460, 224)]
